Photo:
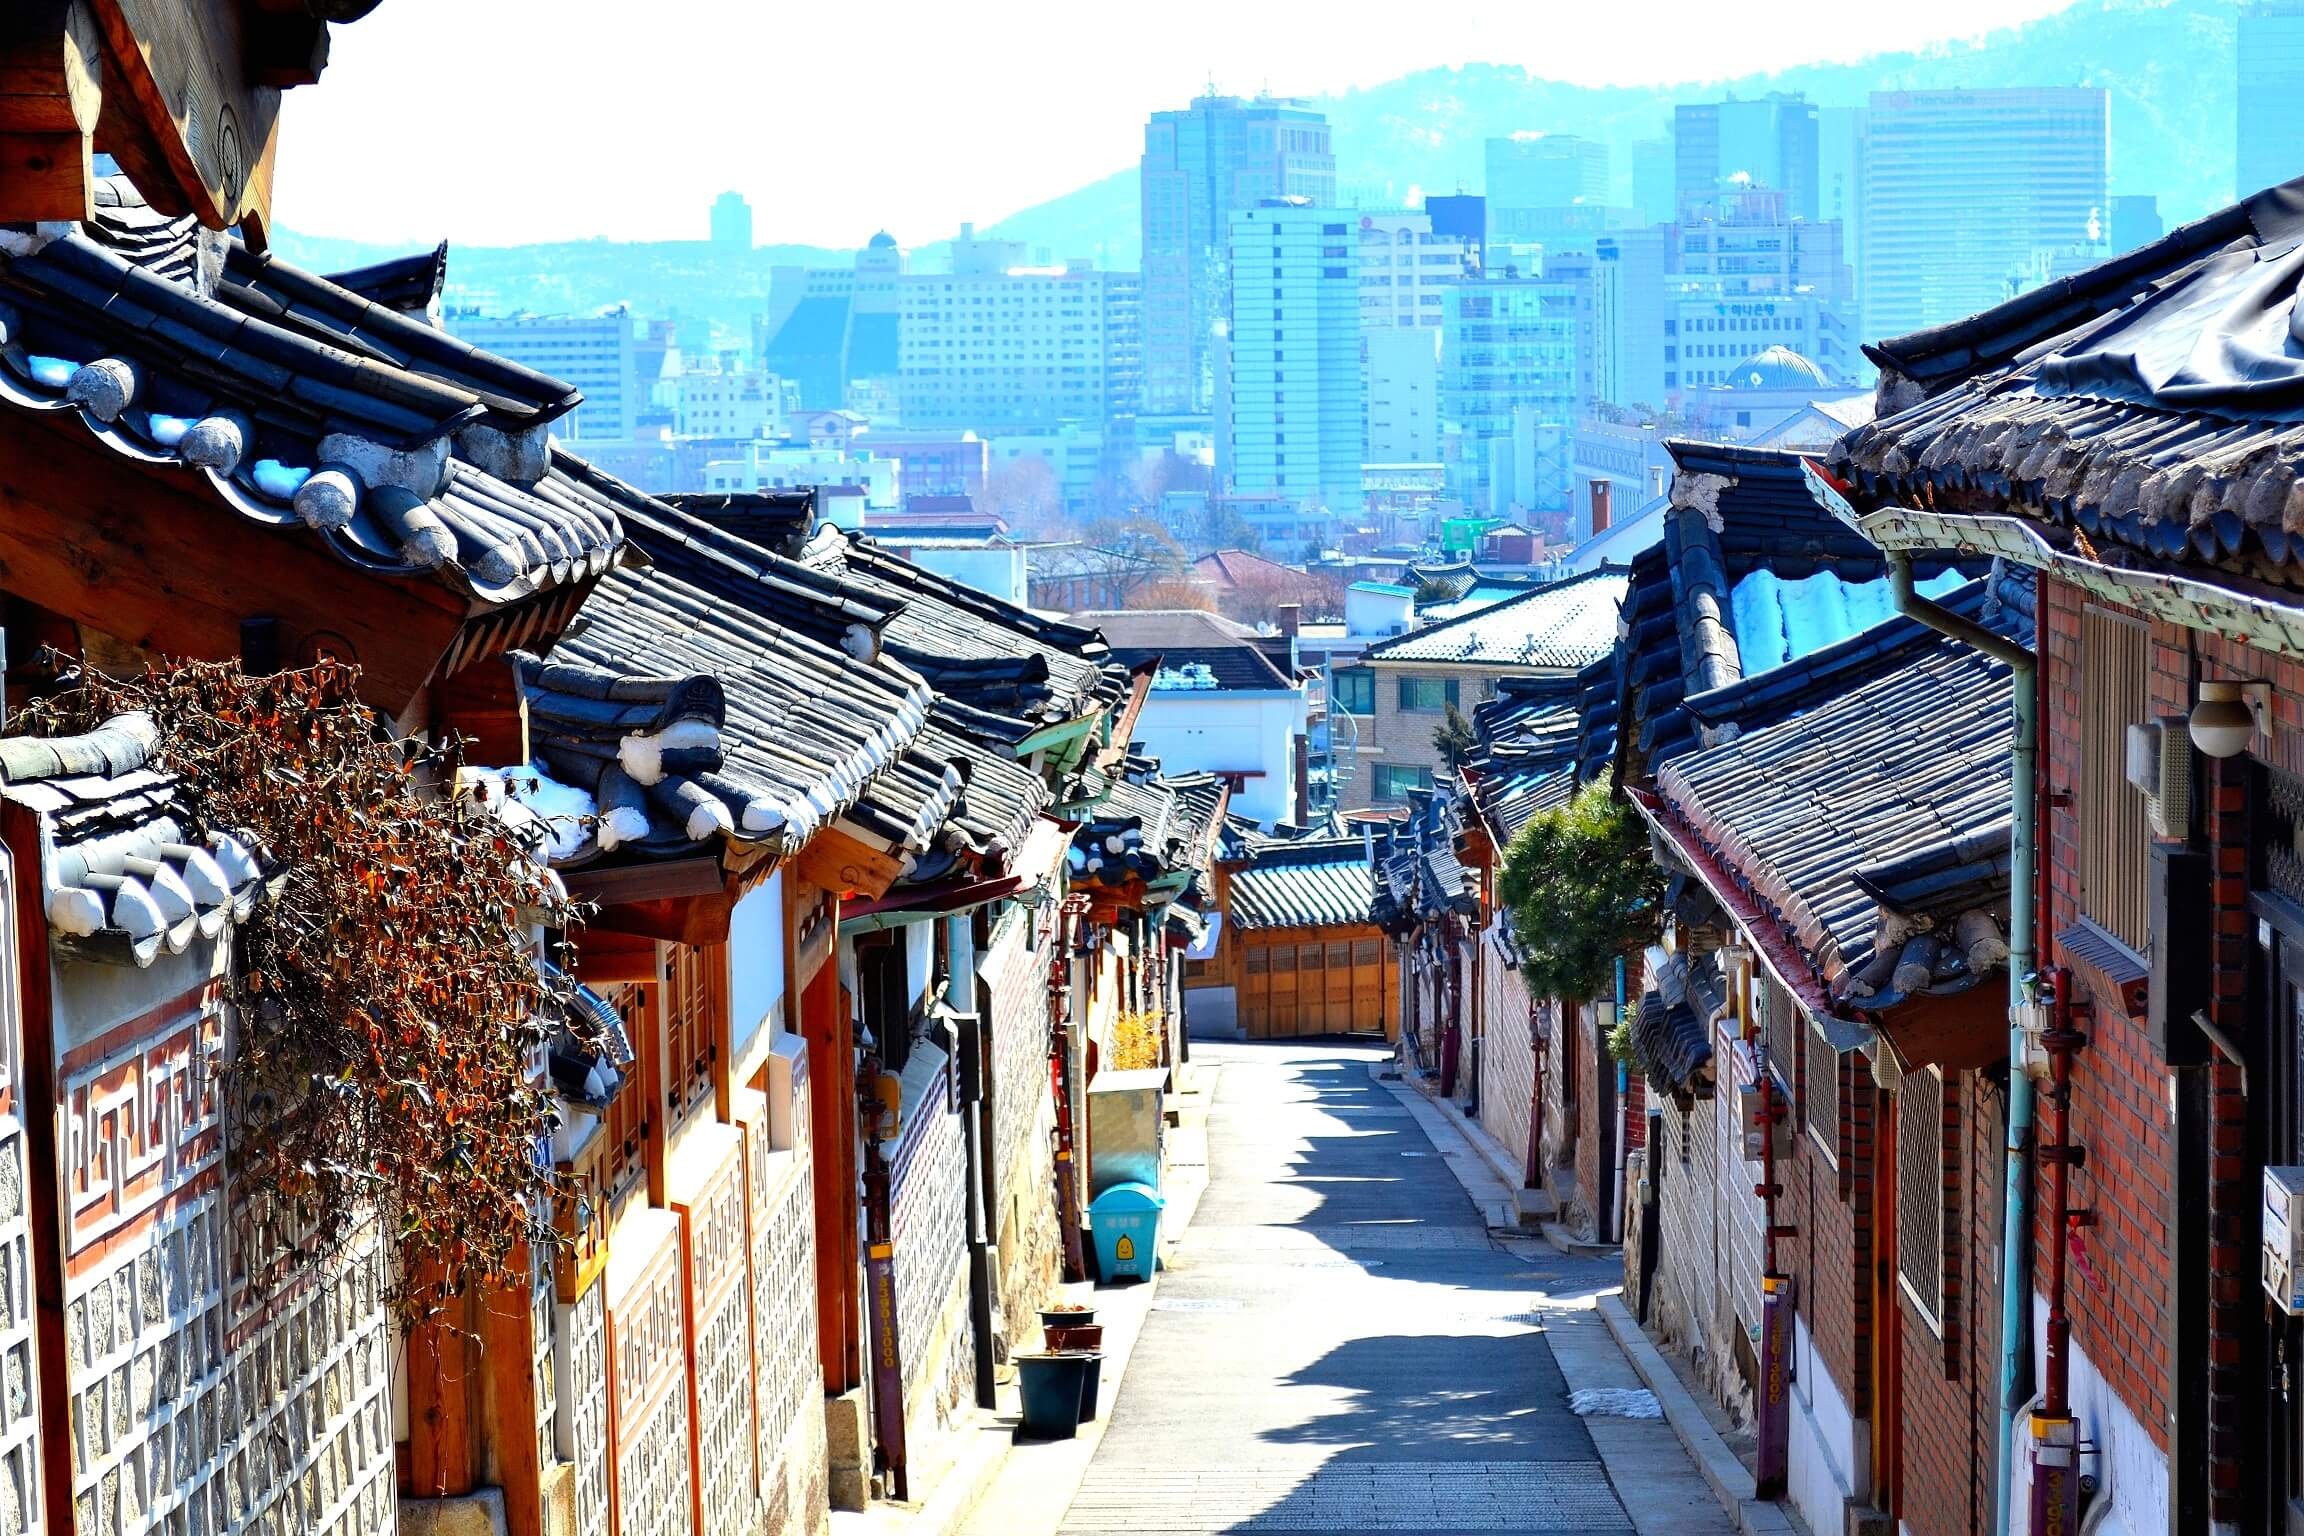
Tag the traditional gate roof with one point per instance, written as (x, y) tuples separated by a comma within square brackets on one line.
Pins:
[(301, 401)]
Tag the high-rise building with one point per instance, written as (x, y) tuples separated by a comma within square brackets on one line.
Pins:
[(1546, 170), (1290, 420), (1009, 348), (1748, 276), (1624, 364), (1655, 181), (1968, 195), (599, 354), (1200, 166), (1767, 142), (732, 221), (1840, 181), (2136, 221), (2271, 95), (1405, 267), (1461, 216), (1508, 389)]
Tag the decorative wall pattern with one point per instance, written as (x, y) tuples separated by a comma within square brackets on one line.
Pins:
[(787, 1380), (21, 1512), (194, 1408), (647, 1341), (580, 1424), (716, 1228), (930, 1226)]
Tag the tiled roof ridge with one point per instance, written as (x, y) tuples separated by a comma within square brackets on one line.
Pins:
[(1581, 578)]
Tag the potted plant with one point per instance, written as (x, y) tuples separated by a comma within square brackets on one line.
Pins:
[(1068, 1336), (1067, 1315)]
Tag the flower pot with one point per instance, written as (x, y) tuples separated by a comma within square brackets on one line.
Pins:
[(1066, 1317), (1051, 1386), (1073, 1336), (1091, 1384)]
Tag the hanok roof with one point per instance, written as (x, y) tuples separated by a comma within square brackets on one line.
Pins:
[(1308, 883), (1525, 760), (300, 400), (722, 690), (2155, 402), (1148, 826), (126, 874), (1883, 775), (1564, 625), (1418, 875), (973, 648)]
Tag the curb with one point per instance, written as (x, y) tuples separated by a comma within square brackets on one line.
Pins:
[(1726, 1475)]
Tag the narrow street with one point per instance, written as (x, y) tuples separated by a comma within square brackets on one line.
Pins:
[(1340, 1346)]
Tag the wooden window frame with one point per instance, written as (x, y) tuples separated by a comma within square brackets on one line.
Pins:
[(2115, 692)]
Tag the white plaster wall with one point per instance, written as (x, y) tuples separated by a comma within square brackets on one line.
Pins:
[(756, 969), (1212, 1013), (997, 572), (2131, 1471), (1822, 1465), (1229, 732)]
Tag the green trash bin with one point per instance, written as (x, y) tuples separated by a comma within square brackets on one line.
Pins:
[(1125, 1222)]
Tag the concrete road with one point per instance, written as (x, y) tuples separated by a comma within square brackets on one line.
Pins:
[(1339, 1345)]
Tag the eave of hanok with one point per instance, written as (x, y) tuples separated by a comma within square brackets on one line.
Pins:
[(184, 94), (143, 554)]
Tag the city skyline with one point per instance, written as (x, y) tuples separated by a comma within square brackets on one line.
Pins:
[(1076, 125)]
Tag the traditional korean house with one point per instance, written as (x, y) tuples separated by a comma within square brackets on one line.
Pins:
[(2130, 434), (214, 455), (1824, 1040), (1297, 952)]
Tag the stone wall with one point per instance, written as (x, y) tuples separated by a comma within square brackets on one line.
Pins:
[(929, 1222), (195, 1405), (1021, 1204), (1507, 1061)]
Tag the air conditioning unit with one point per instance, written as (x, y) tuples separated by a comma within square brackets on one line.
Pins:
[(2160, 766)]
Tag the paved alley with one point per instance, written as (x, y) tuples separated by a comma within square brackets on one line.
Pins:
[(1340, 1347)]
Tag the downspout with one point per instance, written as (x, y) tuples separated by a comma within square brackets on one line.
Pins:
[(2023, 853), (1623, 1088)]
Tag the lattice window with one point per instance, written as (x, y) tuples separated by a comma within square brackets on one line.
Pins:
[(1339, 956), (1820, 1093), (2115, 693), (1284, 958), (1259, 959), (624, 1128), (1364, 952), (695, 999), (1779, 1021), (1922, 1206), (1311, 957)]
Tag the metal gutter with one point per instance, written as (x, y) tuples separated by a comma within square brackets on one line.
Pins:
[(2023, 853)]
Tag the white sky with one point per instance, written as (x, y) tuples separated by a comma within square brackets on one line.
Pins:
[(498, 121)]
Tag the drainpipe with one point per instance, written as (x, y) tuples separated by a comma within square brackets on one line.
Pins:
[(2023, 851), (1623, 1090)]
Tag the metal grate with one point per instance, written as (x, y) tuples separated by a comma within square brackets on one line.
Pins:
[(2115, 693), (1920, 1214), (1821, 1093), (1780, 1034)]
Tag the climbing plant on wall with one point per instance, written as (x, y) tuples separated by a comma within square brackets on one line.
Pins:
[(389, 1008), (1582, 890)]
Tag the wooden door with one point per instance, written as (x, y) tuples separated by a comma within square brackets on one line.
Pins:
[(1368, 977), (1255, 995), (1283, 980), (1312, 988), (1341, 1019)]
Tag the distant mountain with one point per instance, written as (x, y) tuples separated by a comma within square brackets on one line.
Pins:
[(2168, 65)]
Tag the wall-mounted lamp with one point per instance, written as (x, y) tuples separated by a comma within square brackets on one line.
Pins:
[(2229, 715)]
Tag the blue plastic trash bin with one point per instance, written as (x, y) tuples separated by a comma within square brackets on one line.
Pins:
[(1125, 1221)]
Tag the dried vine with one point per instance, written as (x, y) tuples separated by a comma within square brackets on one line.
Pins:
[(390, 1007)]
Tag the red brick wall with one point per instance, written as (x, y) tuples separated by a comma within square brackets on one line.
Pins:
[(1831, 1256), (2119, 1088), (1951, 1375)]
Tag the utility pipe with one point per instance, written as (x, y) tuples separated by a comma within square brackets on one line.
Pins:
[(2023, 855), (1623, 1089)]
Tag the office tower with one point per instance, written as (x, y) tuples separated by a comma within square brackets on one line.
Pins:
[(1004, 348), (1970, 195), (1460, 216), (1508, 387), (1200, 166), (1654, 181), (1747, 277), (2136, 221), (599, 354), (1291, 417), (732, 221), (1405, 267), (2271, 95), (1768, 142), (1840, 181), (1546, 170), (1624, 362)]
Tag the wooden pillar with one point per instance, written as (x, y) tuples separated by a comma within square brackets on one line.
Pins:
[(510, 1411), (825, 1023)]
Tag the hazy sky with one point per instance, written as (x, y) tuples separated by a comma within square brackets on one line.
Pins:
[(497, 121)]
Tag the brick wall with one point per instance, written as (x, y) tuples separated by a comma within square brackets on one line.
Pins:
[(1507, 1062), (1830, 1257), (1709, 1258), (1950, 1368)]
